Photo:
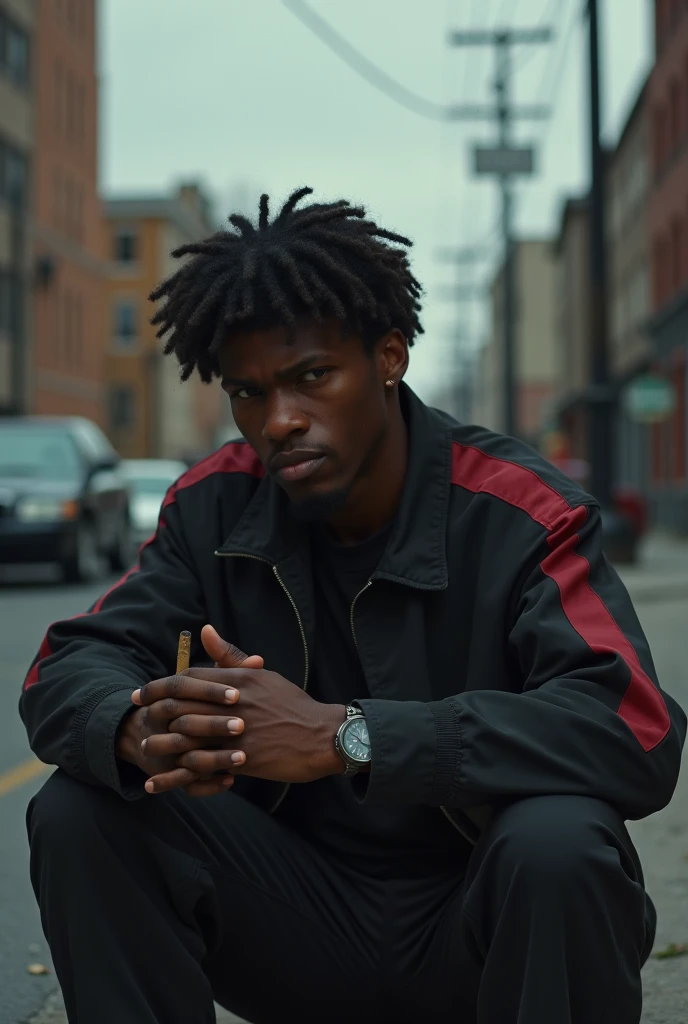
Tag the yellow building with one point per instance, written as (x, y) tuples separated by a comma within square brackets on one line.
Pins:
[(151, 414)]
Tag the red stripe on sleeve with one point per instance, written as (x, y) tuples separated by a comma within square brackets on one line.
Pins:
[(43, 652), (642, 707), (231, 458)]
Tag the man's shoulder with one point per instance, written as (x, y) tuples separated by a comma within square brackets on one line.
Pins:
[(510, 470), (235, 457)]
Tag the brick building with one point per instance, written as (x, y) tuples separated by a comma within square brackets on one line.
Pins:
[(627, 185), (668, 232), (68, 341), (150, 413), (17, 96)]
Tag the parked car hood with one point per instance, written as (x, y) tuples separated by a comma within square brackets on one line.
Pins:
[(12, 488)]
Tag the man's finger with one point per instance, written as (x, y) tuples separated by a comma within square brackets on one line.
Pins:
[(175, 779), (167, 744), (165, 711), (205, 725), (224, 654), (207, 762), (192, 684)]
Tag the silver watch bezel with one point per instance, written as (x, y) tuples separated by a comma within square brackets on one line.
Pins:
[(350, 761)]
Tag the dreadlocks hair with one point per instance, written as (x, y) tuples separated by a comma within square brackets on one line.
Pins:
[(324, 260)]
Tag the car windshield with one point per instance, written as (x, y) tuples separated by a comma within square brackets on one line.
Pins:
[(150, 486), (45, 453)]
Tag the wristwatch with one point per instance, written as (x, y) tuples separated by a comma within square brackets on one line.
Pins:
[(352, 742)]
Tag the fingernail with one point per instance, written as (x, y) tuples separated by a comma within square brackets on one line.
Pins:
[(234, 724), (230, 695), (136, 695), (143, 744), (237, 757), (149, 787)]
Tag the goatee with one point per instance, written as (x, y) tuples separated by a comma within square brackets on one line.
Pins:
[(313, 510)]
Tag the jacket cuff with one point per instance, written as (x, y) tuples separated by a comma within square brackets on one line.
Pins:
[(415, 753), (99, 746)]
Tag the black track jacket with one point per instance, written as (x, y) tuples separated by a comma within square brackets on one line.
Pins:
[(501, 651)]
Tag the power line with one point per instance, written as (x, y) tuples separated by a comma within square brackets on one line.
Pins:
[(557, 65), (363, 66)]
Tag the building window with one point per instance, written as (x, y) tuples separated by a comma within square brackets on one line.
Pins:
[(14, 173), (121, 407), (6, 304), (17, 56), (125, 245), (14, 52), (124, 320)]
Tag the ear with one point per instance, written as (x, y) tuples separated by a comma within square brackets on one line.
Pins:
[(392, 356)]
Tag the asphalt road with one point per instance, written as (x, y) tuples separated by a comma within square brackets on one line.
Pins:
[(25, 611)]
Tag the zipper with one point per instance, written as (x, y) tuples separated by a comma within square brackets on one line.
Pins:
[(351, 613), (444, 810), (458, 828), (304, 687), (279, 579)]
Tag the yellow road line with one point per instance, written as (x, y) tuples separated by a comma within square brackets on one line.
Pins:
[(22, 773)]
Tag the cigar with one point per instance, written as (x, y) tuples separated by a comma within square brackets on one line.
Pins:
[(183, 650)]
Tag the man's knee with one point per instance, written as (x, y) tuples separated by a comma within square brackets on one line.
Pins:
[(64, 811), (558, 838)]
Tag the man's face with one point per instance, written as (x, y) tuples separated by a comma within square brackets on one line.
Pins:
[(313, 407)]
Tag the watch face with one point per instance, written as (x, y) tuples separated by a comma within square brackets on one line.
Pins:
[(356, 741)]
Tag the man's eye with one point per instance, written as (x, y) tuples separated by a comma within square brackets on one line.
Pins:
[(245, 393), (312, 375)]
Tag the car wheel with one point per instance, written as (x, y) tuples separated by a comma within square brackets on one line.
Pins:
[(121, 554), (84, 564)]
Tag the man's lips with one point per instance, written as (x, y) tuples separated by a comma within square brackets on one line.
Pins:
[(296, 465)]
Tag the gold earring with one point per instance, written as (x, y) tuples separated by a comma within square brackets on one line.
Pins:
[(389, 383)]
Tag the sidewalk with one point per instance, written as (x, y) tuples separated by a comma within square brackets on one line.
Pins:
[(661, 572)]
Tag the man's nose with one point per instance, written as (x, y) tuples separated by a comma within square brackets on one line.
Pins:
[(284, 418)]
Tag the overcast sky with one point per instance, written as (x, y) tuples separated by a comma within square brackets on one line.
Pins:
[(239, 95)]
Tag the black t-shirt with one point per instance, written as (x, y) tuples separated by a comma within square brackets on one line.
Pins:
[(402, 838)]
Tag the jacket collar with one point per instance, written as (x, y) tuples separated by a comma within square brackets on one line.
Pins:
[(416, 552)]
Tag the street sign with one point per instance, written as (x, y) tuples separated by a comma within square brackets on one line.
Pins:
[(649, 399), (503, 159)]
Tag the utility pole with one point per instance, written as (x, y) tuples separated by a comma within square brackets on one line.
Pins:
[(462, 364), (600, 396), (504, 161)]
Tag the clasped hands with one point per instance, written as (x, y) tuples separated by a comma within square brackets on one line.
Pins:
[(197, 730)]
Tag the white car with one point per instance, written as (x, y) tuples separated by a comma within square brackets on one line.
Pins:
[(148, 480)]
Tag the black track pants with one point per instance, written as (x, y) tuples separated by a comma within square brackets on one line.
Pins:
[(154, 907)]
